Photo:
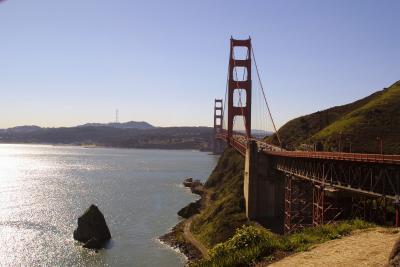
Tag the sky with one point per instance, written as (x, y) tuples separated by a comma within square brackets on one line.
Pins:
[(65, 63)]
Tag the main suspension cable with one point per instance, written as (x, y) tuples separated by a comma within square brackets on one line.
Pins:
[(226, 95), (265, 98)]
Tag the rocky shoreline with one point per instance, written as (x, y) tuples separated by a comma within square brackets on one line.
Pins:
[(175, 238)]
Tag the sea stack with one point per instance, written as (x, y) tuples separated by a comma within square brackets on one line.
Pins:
[(92, 229)]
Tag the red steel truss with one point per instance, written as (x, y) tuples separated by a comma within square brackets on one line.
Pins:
[(369, 181), (298, 212)]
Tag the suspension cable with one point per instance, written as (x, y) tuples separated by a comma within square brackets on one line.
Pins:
[(226, 94), (265, 98)]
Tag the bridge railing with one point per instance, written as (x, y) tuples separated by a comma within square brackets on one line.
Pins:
[(239, 146), (380, 158), (239, 142)]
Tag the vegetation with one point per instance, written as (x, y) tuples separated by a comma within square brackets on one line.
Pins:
[(225, 211), (253, 243), (356, 127)]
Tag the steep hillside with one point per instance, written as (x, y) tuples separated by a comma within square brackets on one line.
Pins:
[(356, 125), (225, 210)]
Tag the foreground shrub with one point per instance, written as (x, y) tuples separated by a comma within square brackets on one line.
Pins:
[(247, 245), (253, 243)]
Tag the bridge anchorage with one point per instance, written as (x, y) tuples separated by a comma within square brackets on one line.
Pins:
[(289, 190)]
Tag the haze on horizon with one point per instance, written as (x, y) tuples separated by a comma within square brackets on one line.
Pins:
[(66, 63)]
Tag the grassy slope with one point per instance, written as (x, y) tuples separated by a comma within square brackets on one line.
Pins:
[(359, 122), (379, 117), (225, 212)]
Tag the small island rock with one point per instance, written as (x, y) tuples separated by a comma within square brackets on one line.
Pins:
[(92, 229)]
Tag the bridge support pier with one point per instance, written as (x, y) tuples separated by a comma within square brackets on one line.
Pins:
[(218, 146), (263, 190)]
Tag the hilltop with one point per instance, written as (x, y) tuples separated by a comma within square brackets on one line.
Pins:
[(123, 125), (358, 126)]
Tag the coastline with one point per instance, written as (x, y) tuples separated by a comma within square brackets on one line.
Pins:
[(176, 239), (177, 242)]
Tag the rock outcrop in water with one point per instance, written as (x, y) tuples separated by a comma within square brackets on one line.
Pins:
[(92, 229)]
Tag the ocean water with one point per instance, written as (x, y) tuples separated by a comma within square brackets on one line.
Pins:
[(44, 189)]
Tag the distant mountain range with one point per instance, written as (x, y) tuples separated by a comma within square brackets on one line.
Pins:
[(124, 125), (129, 135)]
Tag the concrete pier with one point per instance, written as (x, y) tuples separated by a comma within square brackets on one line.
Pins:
[(263, 190)]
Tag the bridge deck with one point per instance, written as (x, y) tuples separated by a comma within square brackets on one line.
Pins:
[(369, 158), (376, 175), (239, 142)]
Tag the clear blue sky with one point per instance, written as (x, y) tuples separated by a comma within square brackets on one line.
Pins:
[(64, 63)]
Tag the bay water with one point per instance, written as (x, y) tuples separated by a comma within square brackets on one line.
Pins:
[(45, 188)]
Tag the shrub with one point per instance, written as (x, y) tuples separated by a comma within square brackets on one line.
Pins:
[(251, 243)]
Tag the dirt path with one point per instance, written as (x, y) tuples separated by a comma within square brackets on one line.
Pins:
[(189, 237), (365, 248), (205, 198)]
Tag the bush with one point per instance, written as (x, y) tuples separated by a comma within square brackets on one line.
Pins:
[(247, 245), (252, 243)]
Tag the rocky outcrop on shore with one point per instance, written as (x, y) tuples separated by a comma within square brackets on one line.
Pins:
[(176, 240), (196, 187), (92, 229), (190, 210)]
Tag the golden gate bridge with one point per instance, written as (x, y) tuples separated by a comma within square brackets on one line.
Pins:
[(289, 190)]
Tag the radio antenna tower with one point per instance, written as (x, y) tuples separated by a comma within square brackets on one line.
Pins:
[(116, 116)]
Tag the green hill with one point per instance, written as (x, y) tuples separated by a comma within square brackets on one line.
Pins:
[(225, 211), (358, 126)]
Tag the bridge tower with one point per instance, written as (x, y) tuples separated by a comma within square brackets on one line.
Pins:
[(234, 84), (218, 145)]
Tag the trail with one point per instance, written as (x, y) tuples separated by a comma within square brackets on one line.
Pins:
[(186, 230), (189, 237), (364, 248)]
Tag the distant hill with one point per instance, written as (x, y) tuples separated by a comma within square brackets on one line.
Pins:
[(124, 125), (110, 136), (23, 129), (359, 125)]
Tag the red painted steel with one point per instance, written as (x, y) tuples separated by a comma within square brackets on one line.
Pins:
[(342, 156), (218, 124), (244, 111), (370, 158)]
